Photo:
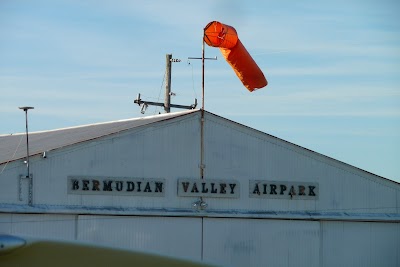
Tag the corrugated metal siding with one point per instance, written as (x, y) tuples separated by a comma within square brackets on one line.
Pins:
[(9, 184), (226, 241), (252, 242), (176, 237), (52, 226), (171, 150), (361, 244), (164, 151), (237, 152), (251, 155)]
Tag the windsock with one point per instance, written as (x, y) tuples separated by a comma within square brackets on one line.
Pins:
[(225, 37)]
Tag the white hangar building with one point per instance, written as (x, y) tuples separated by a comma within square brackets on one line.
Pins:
[(211, 190)]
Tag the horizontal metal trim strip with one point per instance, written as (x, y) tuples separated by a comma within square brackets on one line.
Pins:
[(287, 215)]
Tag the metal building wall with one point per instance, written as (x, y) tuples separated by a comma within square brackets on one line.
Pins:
[(241, 153), (225, 241), (171, 150), (261, 242), (172, 236), (52, 226), (366, 244), (164, 151)]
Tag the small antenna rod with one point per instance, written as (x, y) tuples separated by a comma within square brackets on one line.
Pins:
[(202, 72)]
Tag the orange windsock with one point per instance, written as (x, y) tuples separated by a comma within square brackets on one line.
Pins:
[(225, 37)]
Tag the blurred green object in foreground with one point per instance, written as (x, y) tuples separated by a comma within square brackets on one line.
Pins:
[(17, 251)]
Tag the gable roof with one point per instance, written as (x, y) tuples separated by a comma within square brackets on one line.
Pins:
[(13, 146)]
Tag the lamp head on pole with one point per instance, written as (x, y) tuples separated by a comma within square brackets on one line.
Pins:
[(26, 108)]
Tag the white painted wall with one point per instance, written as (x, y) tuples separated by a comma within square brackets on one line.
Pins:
[(227, 231), (224, 241)]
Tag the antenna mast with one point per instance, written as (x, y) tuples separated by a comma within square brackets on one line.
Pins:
[(167, 99), (203, 58), (202, 71)]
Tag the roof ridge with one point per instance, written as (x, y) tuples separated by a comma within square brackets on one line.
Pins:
[(103, 123)]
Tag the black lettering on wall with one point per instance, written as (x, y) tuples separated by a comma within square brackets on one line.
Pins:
[(85, 185), (96, 185), (130, 186), (194, 188), (213, 190), (75, 184), (265, 189), (119, 185), (283, 188), (256, 190), (292, 191), (204, 188), (185, 186), (232, 186), (147, 188), (302, 190), (222, 188), (273, 188), (158, 187), (311, 190), (107, 185)]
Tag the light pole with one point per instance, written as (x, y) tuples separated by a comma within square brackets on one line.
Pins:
[(27, 137)]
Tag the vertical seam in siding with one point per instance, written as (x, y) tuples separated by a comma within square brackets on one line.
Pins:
[(76, 227), (202, 238), (321, 243)]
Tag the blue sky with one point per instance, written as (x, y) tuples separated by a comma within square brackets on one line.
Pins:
[(333, 68)]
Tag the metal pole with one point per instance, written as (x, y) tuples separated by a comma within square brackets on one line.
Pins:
[(202, 120), (167, 98), (25, 109), (28, 176), (27, 141), (202, 78)]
